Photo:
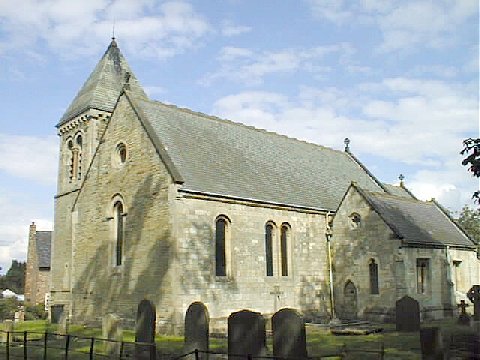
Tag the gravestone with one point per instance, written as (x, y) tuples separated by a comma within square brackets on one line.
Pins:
[(289, 337), (246, 334), (63, 324), (145, 331), (431, 343), (407, 314), (474, 296), (7, 327), (197, 329), (112, 330), (19, 316), (463, 318)]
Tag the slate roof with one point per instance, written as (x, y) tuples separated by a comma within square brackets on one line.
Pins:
[(44, 245), (417, 222), (399, 191), (103, 86), (222, 157)]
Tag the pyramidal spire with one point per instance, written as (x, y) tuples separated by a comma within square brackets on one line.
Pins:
[(103, 86)]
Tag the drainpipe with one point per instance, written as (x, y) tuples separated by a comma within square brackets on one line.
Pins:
[(328, 235)]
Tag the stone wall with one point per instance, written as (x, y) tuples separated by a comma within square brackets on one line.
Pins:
[(143, 185), (353, 249), (248, 287)]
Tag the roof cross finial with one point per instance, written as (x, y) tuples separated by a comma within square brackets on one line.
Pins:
[(401, 178), (113, 29), (347, 143)]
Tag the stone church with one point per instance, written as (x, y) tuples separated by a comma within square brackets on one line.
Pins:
[(163, 203)]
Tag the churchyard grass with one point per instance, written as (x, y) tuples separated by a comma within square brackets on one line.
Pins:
[(319, 340)]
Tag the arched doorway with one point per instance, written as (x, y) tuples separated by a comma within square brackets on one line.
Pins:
[(349, 300)]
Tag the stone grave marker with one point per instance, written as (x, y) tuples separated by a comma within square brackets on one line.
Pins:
[(145, 331), (246, 334), (431, 343), (474, 296), (407, 314), (63, 324), (197, 329), (289, 337), (112, 330), (463, 318), (7, 327)]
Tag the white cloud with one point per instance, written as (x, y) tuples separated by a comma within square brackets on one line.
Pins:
[(250, 67), (145, 27), (228, 28), (404, 24), (30, 157)]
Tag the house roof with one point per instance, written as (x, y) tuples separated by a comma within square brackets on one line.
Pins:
[(218, 156), (103, 86), (417, 222), (44, 245)]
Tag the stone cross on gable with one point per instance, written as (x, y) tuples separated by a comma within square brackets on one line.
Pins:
[(474, 296)]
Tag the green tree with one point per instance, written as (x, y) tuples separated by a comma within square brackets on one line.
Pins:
[(14, 279), (471, 148), (469, 219)]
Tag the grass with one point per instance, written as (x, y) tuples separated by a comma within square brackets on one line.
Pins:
[(319, 341)]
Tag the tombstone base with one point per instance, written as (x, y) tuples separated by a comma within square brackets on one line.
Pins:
[(464, 319)]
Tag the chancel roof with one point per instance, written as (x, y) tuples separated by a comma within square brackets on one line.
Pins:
[(103, 86), (221, 157), (417, 222), (44, 245)]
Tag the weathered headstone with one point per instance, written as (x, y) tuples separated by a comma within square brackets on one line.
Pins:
[(19, 316), (197, 328), (7, 327), (112, 330), (63, 324), (431, 343), (463, 318), (289, 337), (145, 331), (407, 314), (246, 334), (474, 296)]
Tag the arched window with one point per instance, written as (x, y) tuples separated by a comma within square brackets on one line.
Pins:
[(284, 245), (373, 274), (269, 228), (75, 149), (222, 248), (78, 162), (118, 215)]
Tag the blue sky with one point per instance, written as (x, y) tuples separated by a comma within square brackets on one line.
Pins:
[(399, 78)]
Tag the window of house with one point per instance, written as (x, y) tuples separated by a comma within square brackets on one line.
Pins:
[(355, 221), (423, 276), (373, 275), (222, 258), (269, 229), (284, 244), (119, 233)]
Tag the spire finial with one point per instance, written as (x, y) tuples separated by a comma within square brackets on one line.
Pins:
[(113, 29), (401, 178), (347, 143)]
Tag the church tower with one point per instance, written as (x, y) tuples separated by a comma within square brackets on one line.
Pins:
[(80, 130)]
